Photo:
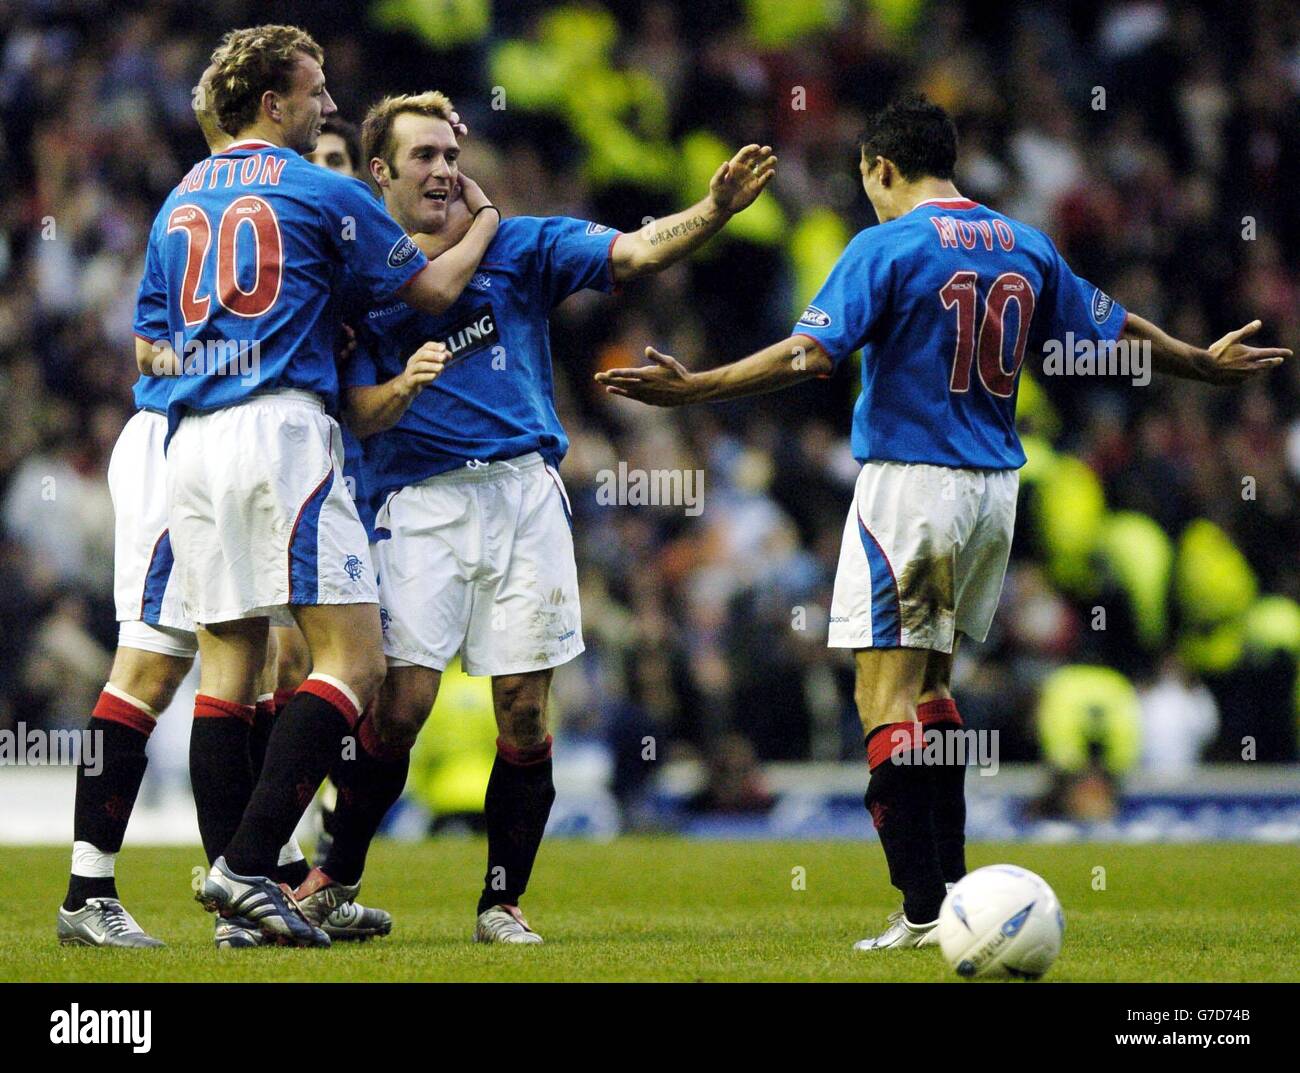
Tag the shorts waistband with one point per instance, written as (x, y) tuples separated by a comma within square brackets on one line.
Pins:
[(475, 471), (292, 394), (287, 394)]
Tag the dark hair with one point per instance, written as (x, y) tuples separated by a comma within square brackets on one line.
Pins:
[(916, 135), (351, 136)]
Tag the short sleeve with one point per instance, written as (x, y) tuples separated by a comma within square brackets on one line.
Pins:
[(379, 255), (574, 255), (151, 321), (850, 302), (1073, 305)]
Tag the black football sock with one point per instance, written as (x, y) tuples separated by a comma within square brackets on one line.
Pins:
[(260, 734), (369, 784), (306, 740), (898, 798), (220, 776), (106, 792), (520, 793), (948, 789), (294, 870)]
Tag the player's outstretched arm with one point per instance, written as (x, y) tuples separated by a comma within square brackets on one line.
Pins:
[(734, 187), (1226, 361), (378, 407), (667, 382), (441, 281)]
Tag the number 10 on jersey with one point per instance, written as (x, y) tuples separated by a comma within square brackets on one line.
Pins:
[(961, 293)]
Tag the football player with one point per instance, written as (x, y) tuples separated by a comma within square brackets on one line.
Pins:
[(474, 548), (247, 252), (944, 298)]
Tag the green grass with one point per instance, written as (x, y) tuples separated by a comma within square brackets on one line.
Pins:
[(665, 909)]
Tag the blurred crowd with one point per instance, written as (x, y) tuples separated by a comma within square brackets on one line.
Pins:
[(1149, 616)]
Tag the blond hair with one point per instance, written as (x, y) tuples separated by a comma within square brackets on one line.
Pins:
[(377, 128), (251, 61)]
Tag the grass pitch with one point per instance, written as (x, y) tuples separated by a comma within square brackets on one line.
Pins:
[(664, 909)]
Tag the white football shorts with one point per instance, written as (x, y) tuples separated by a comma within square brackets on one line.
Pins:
[(924, 553), (145, 588), (480, 560), (260, 517)]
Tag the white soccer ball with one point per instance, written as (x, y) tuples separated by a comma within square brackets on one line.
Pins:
[(1001, 921)]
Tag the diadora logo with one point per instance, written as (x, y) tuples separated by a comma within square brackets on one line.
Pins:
[(353, 567), (471, 333), (1102, 303), (481, 281), (596, 229), (815, 318), (249, 209), (404, 249), (387, 311)]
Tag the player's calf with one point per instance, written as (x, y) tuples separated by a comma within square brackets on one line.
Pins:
[(141, 684), (520, 792), (372, 779)]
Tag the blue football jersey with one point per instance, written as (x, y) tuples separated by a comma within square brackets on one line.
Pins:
[(152, 325), (945, 302), (495, 399), (348, 304), (244, 254)]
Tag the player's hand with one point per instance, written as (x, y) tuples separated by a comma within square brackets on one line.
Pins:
[(665, 382), (1231, 361), (472, 194), (423, 367), (739, 181), (461, 130)]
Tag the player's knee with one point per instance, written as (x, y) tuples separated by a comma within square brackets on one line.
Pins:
[(292, 663), (875, 710), (149, 677), (399, 722), (522, 719), (367, 675)]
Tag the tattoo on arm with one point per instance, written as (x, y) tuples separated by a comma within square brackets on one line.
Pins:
[(677, 230)]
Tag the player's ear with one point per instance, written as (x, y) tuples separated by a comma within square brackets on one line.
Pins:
[(271, 102), (379, 171)]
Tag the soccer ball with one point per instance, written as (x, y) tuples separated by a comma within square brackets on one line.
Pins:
[(1001, 921)]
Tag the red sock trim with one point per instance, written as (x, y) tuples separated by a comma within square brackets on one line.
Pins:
[(264, 709), (524, 757), (331, 695), (372, 743), (938, 711), (206, 707), (893, 739), (117, 710), (281, 698)]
